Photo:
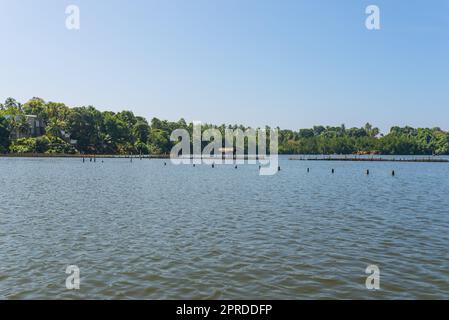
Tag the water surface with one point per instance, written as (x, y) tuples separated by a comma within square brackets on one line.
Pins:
[(143, 230)]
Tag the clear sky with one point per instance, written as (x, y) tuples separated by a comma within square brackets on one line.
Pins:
[(283, 63)]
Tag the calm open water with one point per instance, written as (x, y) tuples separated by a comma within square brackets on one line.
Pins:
[(145, 231)]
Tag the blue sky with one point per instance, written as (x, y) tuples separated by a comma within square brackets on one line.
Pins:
[(284, 63)]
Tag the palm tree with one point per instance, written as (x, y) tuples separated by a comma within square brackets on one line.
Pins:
[(20, 126), (55, 127), (23, 126)]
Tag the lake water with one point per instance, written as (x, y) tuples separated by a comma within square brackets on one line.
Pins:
[(143, 230)]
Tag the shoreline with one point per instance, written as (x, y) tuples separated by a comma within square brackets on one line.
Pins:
[(377, 159), (60, 155), (114, 156), (80, 156)]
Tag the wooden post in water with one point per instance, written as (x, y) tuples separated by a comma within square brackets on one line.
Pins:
[(393, 173), (308, 169), (367, 172)]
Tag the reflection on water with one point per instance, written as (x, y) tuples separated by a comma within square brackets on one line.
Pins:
[(143, 230)]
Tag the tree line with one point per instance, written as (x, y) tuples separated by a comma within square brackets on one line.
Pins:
[(90, 131)]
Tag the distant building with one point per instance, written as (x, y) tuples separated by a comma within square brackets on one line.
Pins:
[(35, 128), (230, 152), (227, 151)]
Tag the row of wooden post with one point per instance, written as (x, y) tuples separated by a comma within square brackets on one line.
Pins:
[(393, 173)]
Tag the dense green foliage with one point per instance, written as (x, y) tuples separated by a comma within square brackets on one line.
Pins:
[(88, 130), (338, 140), (4, 135)]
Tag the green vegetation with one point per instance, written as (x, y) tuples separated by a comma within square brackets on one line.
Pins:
[(88, 130), (4, 135)]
